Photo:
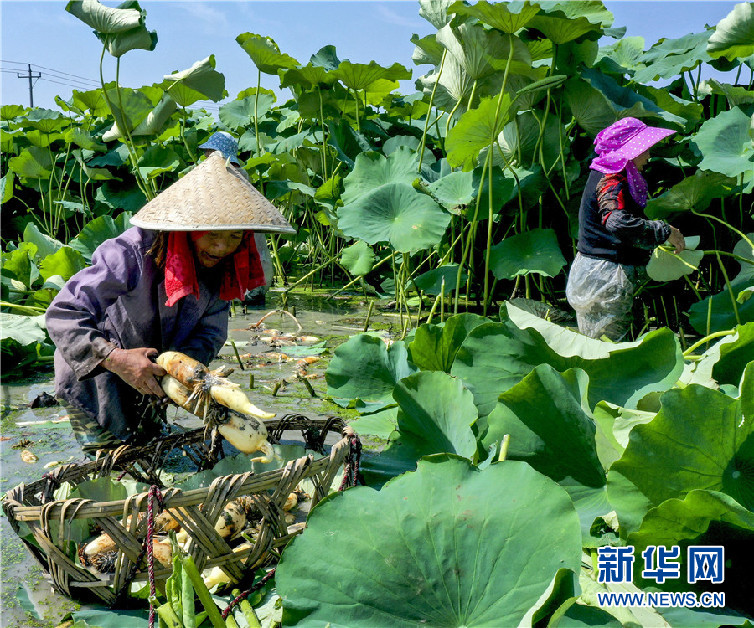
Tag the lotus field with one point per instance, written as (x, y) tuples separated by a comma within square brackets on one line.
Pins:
[(505, 450)]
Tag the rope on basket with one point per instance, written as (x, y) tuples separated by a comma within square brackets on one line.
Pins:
[(154, 493), (242, 596)]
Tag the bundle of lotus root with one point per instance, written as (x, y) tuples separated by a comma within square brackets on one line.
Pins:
[(220, 403)]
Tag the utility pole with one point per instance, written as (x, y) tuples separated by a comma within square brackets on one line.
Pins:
[(30, 76)]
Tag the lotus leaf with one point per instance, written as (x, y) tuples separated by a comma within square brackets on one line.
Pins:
[(6, 187), (693, 193), (239, 114), (44, 243), (508, 17), (734, 34), (427, 50), (614, 425), (47, 120), (371, 170), (664, 265), (129, 107), (691, 112), (560, 30), (577, 615), (105, 19), (32, 163), (534, 251), (477, 129), (265, 53), (735, 94), (18, 265), (589, 106), (151, 125), (454, 190), (734, 352), (671, 57), (380, 424), (698, 440), (347, 142), (97, 231), (433, 280), (363, 368), (438, 530), (200, 82), (496, 356), (395, 213), (435, 11), (139, 38), (358, 258), (361, 76), (725, 144), (25, 330), (624, 99), (92, 101), (326, 58), (306, 77), (626, 53), (434, 347), (158, 160), (65, 262), (519, 141)]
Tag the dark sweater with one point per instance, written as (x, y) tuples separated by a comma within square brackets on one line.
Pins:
[(610, 222)]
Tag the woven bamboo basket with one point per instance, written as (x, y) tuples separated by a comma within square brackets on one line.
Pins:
[(195, 510)]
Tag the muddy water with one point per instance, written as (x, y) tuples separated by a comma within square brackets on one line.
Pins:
[(47, 434)]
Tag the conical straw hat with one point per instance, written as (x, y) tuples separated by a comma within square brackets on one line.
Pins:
[(213, 196)]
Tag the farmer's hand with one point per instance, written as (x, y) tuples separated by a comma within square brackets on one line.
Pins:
[(135, 367), (676, 240)]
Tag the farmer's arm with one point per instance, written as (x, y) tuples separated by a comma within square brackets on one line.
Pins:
[(75, 318), (209, 334), (616, 219)]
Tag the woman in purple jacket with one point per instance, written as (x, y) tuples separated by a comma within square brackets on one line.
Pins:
[(164, 284)]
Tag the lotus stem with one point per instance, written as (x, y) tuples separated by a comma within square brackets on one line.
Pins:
[(238, 356), (504, 444), (730, 289), (429, 110), (256, 116), (706, 339), (369, 315)]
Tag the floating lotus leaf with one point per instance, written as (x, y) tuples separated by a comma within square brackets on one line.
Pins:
[(725, 143), (508, 17), (200, 82), (589, 106), (734, 35), (665, 265), (534, 251), (265, 53), (438, 530), (358, 258), (371, 170), (395, 213), (477, 129), (106, 19), (364, 368), (434, 347), (695, 192), (698, 440), (671, 57), (496, 356)]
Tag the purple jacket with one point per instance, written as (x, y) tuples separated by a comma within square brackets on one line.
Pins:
[(119, 301)]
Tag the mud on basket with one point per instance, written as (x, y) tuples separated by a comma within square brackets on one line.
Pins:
[(49, 527)]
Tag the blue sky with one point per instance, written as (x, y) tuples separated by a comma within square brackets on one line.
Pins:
[(66, 53)]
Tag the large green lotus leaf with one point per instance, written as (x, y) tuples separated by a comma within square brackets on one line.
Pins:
[(25, 330), (454, 190), (358, 258), (477, 129), (626, 53), (305, 77), (698, 440), (65, 262), (32, 163), (573, 614), (395, 213), (84, 139), (624, 99), (139, 38), (97, 231), (130, 200), (47, 120), (361, 76), (380, 424), (614, 425), (44, 243), (364, 368), (695, 192), (519, 141), (735, 353), (92, 101), (444, 554), (158, 160), (347, 141), (6, 187), (427, 50), (534, 251), (725, 143), (671, 57), (434, 347), (129, 107), (19, 265), (665, 265), (735, 94), (677, 520), (691, 112), (240, 113), (435, 11), (435, 417), (200, 82), (734, 35), (508, 17), (439, 280), (153, 124), (265, 53), (496, 356), (560, 30), (105, 19), (589, 106), (371, 170)]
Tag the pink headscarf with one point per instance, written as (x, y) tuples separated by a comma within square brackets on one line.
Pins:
[(617, 145)]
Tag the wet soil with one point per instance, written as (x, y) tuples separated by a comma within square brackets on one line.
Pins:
[(274, 369)]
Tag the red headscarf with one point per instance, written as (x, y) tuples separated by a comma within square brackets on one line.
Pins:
[(243, 269)]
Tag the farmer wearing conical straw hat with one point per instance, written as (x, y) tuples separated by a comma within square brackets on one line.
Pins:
[(615, 240), (164, 284)]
